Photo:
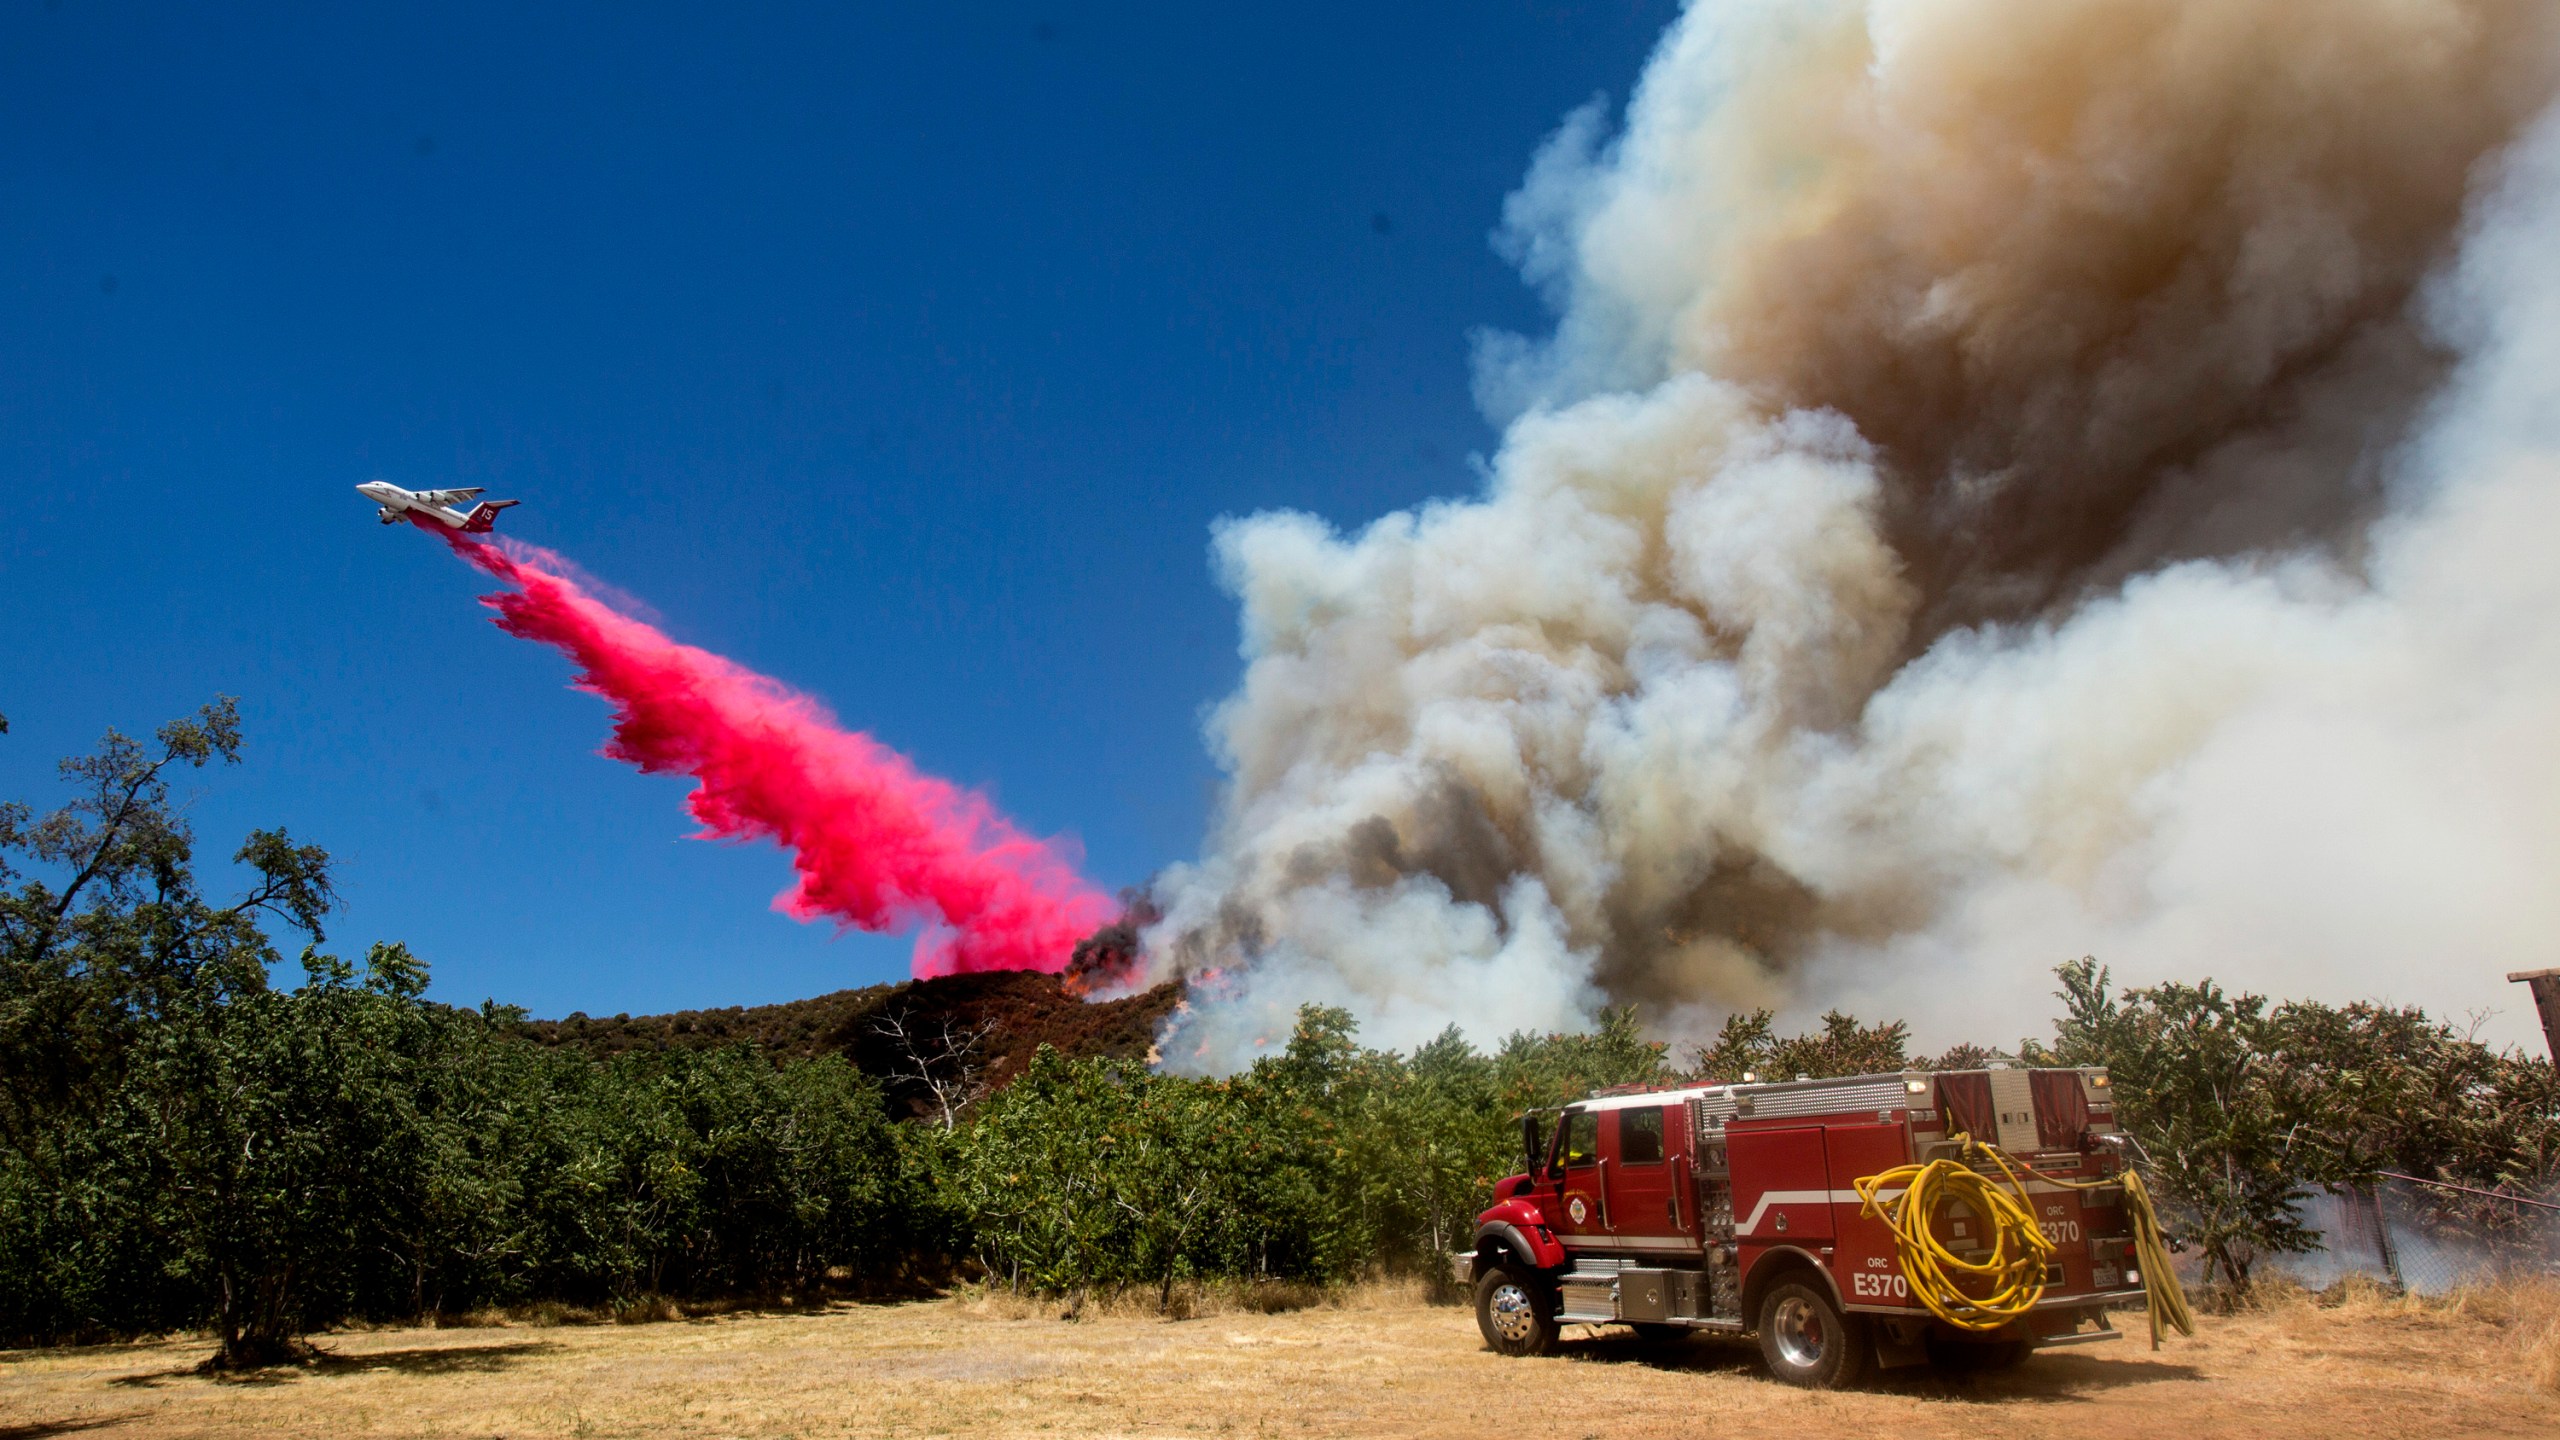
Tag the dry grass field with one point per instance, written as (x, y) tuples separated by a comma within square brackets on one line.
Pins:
[(1377, 1364)]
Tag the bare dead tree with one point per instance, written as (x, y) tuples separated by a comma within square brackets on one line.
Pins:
[(945, 1058)]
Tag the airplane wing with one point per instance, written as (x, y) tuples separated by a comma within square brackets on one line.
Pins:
[(449, 497)]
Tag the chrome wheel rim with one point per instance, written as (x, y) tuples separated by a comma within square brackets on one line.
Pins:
[(1514, 1318), (1802, 1337)]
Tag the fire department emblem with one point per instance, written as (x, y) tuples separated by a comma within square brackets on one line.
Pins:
[(1576, 1210)]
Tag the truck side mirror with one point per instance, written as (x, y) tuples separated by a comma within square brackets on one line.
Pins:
[(1533, 1145)]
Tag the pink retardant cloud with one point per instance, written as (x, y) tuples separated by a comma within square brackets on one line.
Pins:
[(875, 843)]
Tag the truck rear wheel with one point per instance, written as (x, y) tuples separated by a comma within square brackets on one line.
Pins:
[(1516, 1313), (1807, 1340)]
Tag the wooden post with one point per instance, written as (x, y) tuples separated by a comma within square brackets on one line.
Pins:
[(2545, 985)]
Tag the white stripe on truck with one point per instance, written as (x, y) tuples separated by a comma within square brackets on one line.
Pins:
[(1801, 1197)]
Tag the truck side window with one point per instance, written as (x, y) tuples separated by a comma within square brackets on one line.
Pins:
[(1581, 1137), (1639, 1136)]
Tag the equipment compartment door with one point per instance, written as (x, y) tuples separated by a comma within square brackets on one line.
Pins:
[(1868, 1264), (1781, 1187)]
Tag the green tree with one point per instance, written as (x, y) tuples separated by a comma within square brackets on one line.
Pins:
[(1536, 1071), (279, 1132), (183, 1142), (113, 933), (1750, 1046), (2199, 1087), (1436, 1138), (1100, 1174), (105, 942), (2379, 1088)]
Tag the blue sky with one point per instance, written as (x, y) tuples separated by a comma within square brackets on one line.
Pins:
[(905, 353)]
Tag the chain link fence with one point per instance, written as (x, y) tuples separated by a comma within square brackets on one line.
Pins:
[(2424, 1237)]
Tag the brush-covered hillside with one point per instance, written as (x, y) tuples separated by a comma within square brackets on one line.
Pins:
[(998, 1018)]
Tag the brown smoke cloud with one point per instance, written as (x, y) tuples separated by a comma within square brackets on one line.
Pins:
[(1967, 420), (2054, 260)]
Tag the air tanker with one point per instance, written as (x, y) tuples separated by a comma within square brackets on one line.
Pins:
[(438, 506)]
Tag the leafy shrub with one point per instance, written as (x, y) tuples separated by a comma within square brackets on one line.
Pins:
[(184, 1142), (2240, 1107)]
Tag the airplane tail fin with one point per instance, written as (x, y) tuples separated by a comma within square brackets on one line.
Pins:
[(484, 516)]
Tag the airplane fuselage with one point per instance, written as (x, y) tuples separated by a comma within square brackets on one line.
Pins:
[(432, 507)]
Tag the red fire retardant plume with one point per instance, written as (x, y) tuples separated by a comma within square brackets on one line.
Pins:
[(876, 844)]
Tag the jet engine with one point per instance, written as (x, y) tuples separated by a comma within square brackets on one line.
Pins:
[(389, 515)]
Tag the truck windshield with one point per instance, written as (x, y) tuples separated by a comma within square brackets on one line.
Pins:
[(1581, 1137)]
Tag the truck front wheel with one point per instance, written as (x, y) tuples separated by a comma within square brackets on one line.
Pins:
[(1516, 1313), (1807, 1340)]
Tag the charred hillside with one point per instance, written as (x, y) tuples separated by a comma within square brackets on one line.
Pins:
[(997, 1019)]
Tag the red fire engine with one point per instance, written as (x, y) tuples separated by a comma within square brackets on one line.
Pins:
[(1964, 1216)]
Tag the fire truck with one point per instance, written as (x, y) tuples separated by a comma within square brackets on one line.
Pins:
[(1963, 1217)]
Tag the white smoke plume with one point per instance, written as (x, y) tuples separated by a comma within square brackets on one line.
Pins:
[(2011, 479)]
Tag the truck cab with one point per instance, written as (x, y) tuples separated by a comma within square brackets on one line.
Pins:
[(1734, 1208)]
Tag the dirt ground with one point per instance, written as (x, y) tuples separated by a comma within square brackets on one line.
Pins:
[(1379, 1365)]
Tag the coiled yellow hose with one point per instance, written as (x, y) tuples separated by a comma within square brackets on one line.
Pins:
[(2013, 1273)]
